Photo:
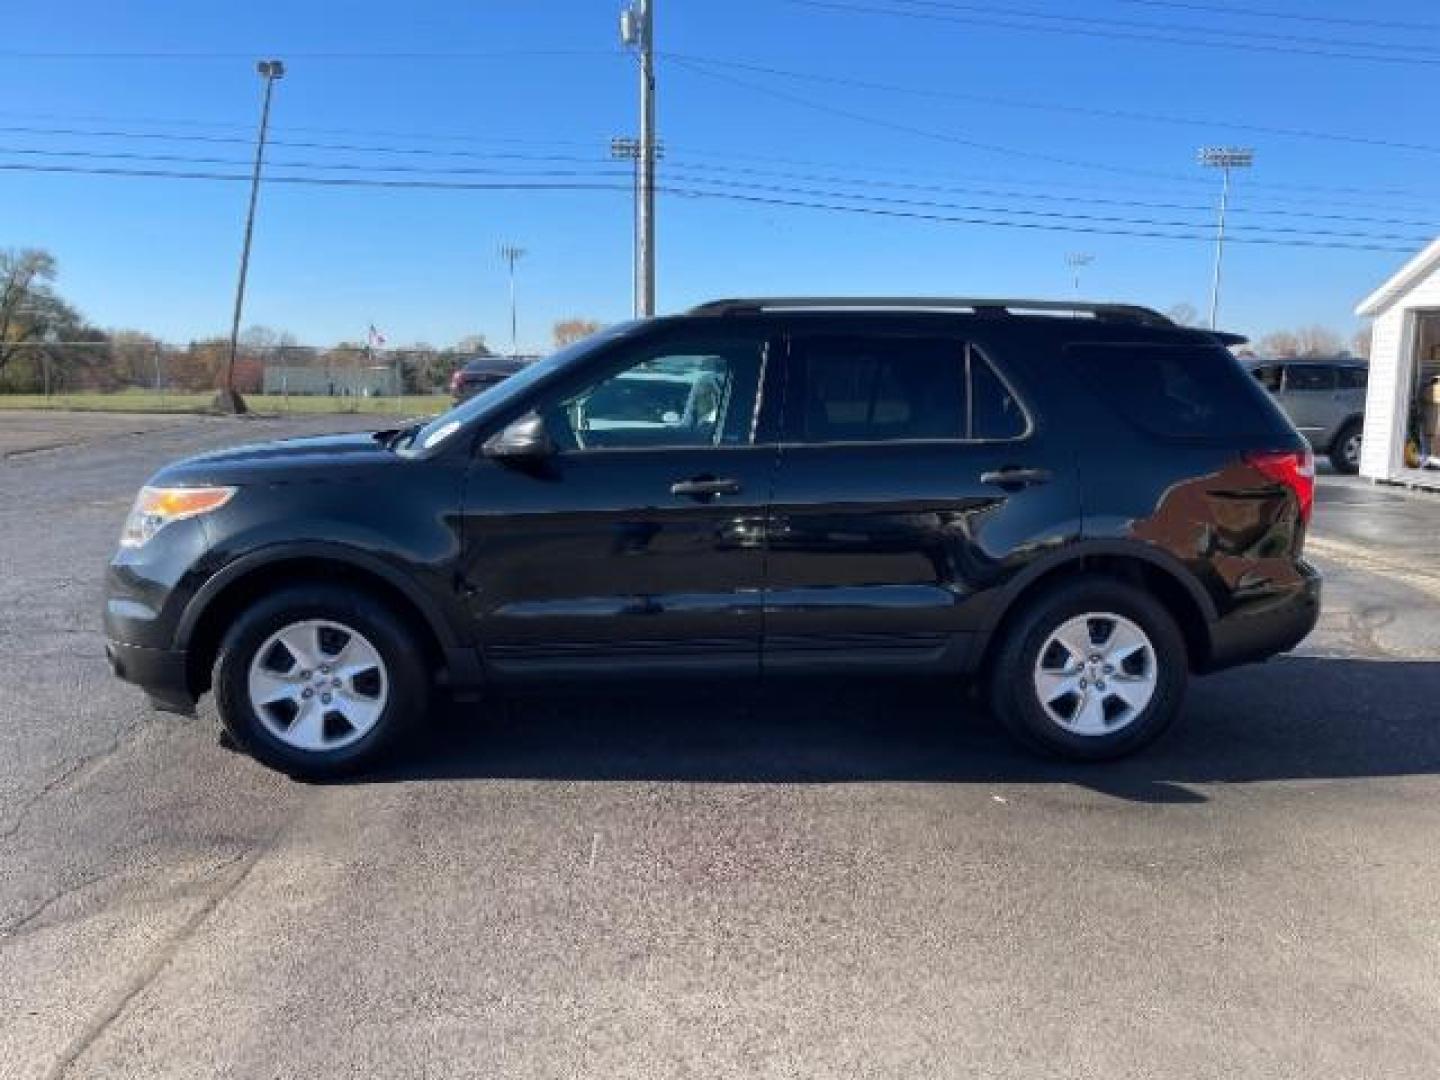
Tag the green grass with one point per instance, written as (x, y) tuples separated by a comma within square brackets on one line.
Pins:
[(149, 401)]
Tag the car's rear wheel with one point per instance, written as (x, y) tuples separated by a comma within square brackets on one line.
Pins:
[(1345, 450), (318, 682), (1093, 669)]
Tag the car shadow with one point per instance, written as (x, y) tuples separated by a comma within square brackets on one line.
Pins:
[(1292, 719)]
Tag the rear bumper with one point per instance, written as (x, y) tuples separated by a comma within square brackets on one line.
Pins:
[(161, 673), (1263, 628)]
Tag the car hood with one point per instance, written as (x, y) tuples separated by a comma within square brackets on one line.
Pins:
[(333, 457)]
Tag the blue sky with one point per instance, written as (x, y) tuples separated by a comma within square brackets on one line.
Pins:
[(925, 93)]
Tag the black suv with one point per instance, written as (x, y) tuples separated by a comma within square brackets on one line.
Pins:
[(1079, 504)]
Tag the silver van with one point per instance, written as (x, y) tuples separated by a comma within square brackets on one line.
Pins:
[(1325, 400)]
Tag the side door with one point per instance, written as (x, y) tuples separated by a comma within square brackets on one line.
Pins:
[(638, 545), (1308, 398), (913, 478)]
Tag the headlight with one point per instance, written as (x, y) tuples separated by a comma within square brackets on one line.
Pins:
[(156, 507)]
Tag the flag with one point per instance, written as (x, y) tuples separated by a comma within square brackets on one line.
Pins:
[(376, 337)]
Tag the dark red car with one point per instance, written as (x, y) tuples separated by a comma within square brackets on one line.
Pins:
[(481, 373)]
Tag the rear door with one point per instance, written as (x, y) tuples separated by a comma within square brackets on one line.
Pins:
[(912, 477), (1309, 399)]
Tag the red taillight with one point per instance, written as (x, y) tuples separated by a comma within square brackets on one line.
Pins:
[(1293, 468), (455, 380)]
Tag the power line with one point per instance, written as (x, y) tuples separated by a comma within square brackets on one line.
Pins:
[(1010, 151), (1011, 23), (927, 133), (1077, 110), (203, 56), (599, 168), (585, 159), (705, 174), (1143, 228), (1334, 20), (1133, 24)]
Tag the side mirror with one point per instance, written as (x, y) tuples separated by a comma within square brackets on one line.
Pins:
[(524, 439)]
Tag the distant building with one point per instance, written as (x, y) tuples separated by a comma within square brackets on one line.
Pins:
[(318, 380)]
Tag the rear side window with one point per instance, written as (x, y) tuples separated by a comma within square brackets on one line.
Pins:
[(1302, 377), (1353, 378), (896, 389), (1179, 391)]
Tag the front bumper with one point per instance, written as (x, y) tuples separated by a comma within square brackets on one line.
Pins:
[(161, 673), (1267, 627)]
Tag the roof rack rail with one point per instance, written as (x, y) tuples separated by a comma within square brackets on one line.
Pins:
[(1131, 313)]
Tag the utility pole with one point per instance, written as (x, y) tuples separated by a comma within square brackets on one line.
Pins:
[(624, 148), (510, 255), (228, 400), (637, 30), (1224, 158), (1077, 261)]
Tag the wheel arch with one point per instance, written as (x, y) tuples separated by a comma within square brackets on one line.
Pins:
[(222, 597), (1157, 572)]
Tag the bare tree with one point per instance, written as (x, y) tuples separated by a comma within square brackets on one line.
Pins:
[(1361, 342), (1281, 343), (568, 330), (1183, 314), (1319, 341), (1305, 343), (473, 345)]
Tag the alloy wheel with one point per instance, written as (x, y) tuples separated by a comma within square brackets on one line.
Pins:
[(1096, 673), (318, 685)]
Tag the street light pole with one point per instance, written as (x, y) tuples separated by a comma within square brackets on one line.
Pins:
[(511, 254), (228, 400), (637, 29), (1223, 158)]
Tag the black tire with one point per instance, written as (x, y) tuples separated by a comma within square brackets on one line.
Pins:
[(407, 682), (1340, 449), (1016, 702)]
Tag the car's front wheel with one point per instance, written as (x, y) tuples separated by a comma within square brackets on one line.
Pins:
[(1093, 669), (318, 681)]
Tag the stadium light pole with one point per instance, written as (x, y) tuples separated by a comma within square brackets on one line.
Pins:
[(1223, 158), (510, 255), (1077, 261), (228, 400)]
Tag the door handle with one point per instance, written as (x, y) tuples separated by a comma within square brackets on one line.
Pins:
[(1013, 478), (705, 487)]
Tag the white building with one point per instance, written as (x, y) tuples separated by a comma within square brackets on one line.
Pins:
[(1402, 404)]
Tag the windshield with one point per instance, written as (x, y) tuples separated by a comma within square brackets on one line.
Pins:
[(440, 429)]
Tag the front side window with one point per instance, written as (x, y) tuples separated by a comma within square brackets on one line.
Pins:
[(896, 389), (697, 394)]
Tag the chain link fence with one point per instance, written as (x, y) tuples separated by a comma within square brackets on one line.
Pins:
[(147, 375)]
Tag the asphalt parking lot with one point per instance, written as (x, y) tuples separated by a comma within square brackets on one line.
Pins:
[(834, 881)]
